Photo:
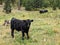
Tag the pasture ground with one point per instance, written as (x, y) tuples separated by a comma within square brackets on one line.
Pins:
[(45, 30)]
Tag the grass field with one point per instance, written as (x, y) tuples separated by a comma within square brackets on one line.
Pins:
[(45, 30)]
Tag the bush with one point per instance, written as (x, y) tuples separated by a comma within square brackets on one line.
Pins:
[(54, 8), (28, 6), (33, 5), (7, 6), (59, 6)]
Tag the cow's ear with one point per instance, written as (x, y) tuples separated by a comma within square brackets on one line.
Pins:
[(31, 20)]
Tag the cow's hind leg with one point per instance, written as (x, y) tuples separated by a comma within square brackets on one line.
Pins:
[(12, 33)]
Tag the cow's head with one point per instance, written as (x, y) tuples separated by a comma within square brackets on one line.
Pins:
[(28, 22)]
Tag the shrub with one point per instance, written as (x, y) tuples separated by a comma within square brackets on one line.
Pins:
[(7, 6), (33, 5)]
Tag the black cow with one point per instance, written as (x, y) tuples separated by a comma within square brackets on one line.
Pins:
[(20, 25), (43, 11)]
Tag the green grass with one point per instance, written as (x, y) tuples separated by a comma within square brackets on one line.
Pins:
[(45, 30)]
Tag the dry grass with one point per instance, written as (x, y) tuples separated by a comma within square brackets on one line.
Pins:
[(45, 30)]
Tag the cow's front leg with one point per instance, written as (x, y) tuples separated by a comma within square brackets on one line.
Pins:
[(23, 35), (12, 33), (27, 35)]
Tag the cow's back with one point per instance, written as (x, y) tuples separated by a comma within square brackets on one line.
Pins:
[(15, 24)]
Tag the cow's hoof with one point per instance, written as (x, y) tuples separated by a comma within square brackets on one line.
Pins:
[(27, 37), (22, 38), (13, 37)]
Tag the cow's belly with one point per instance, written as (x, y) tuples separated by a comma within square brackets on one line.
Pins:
[(18, 29)]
